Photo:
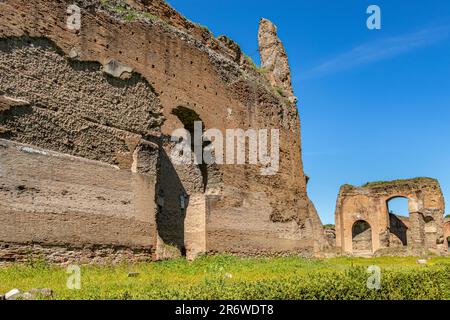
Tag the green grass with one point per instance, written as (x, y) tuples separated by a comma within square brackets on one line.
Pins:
[(225, 277), (129, 14), (252, 64)]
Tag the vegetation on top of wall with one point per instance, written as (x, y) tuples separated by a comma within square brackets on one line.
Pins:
[(201, 26), (254, 65), (447, 216), (128, 13), (263, 71), (279, 91), (347, 186), (396, 182)]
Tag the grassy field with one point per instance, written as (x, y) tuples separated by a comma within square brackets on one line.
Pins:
[(225, 277)]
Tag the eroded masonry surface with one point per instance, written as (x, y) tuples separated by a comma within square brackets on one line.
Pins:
[(86, 169), (365, 226), (85, 123)]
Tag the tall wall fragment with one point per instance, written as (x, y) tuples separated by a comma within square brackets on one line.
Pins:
[(110, 92)]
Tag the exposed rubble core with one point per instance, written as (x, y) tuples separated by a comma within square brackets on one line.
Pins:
[(364, 225), (85, 122), (274, 59)]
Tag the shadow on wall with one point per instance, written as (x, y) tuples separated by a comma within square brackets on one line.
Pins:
[(362, 236), (398, 230), (176, 183), (172, 201), (188, 117), (430, 231), (398, 209)]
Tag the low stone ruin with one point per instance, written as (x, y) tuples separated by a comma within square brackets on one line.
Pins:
[(364, 226)]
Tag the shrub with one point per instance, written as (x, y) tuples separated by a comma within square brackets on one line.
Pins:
[(226, 277)]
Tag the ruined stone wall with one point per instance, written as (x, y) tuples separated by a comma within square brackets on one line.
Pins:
[(274, 58), (71, 106), (59, 114), (398, 230), (446, 230), (369, 204), (52, 199), (158, 61)]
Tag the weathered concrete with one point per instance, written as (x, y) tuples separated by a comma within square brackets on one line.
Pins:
[(65, 254), (274, 58), (108, 93), (364, 225), (53, 198)]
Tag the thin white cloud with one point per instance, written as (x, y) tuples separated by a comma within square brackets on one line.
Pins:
[(379, 50)]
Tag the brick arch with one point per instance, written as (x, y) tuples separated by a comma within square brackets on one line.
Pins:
[(397, 196), (356, 211), (362, 237), (369, 202), (399, 225)]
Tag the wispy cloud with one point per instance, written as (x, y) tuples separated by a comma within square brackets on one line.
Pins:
[(380, 50)]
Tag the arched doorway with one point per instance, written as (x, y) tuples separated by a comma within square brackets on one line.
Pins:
[(181, 215), (398, 210), (362, 237), (188, 118)]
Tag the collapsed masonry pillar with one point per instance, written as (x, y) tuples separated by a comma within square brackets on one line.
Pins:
[(274, 59)]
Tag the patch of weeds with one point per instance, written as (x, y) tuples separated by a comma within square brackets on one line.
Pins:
[(128, 14), (250, 61), (228, 277), (397, 182), (262, 71), (149, 16), (279, 91), (253, 65)]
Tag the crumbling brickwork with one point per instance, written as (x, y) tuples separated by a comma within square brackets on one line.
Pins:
[(446, 230), (274, 58), (364, 225), (108, 93)]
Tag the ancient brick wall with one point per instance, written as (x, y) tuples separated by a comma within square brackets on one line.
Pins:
[(156, 62), (446, 230), (421, 231), (56, 199), (398, 230)]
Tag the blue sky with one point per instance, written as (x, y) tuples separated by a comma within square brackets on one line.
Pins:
[(374, 104)]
